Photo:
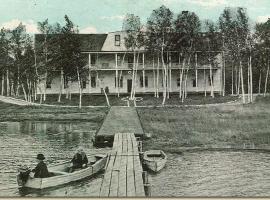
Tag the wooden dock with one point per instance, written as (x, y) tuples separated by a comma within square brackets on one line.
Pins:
[(119, 120), (124, 174)]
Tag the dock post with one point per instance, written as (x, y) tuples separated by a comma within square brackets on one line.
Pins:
[(147, 185)]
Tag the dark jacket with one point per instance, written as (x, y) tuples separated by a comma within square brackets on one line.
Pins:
[(79, 159), (41, 170)]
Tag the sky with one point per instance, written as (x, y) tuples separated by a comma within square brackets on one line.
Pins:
[(102, 16)]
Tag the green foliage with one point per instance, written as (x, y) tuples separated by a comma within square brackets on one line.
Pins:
[(186, 27), (159, 29), (132, 26)]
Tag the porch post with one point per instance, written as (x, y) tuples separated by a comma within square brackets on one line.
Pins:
[(89, 73), (116, 75), (170, 71), (196, 71), (143, 73)]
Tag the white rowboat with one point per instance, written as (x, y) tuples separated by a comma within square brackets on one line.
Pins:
[(155, 160), (62, 176)]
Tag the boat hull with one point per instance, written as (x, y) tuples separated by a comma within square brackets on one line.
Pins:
[(155, 160), (62, 177)]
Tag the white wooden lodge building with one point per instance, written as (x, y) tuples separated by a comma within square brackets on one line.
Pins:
[(108, 58)]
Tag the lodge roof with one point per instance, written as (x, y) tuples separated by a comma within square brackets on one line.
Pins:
[(89, 42)]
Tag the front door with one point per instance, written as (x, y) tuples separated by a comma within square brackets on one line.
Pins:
[(129, 85)]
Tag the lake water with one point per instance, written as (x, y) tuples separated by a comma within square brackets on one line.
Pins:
[(215, 174), (191, 174), (21, 141)]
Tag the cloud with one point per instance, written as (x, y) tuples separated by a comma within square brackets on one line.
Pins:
[(111, 18), (262, 19), (30, 25), (209, 3), (89, 29)]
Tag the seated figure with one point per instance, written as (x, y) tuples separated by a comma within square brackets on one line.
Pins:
[(79, 160)]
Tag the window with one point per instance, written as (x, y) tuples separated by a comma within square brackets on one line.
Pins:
[(178, 82), (93, 82), (105, 65), (118, 60), (49, 84), (162, 83), (93, 59), (145, 81), (194, 83), (120, 82), (65, 82), (84, 84), (117, 40), (209, 79), (130, 61)]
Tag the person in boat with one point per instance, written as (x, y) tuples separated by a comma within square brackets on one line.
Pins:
[(41, 170), (79, 160)]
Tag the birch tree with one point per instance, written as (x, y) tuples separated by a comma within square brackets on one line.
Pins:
[(186, 27), (133, 41), (159, 35)]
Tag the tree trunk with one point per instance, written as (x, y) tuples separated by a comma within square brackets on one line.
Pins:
[(164, 78), (158, 76), (135, 77), (24, 92), (186, 77), (2, 84), (154, 77), (232, 79), (61, 85), (260, 80), (242, 82), (133, 74), (18, 81), (80, 88), (196, 71), (239, 81), (204, 77), (45, 86), (248, 76), (143, 73), (181, 77), (251, 80), (107, 99), (8, 89), (224, 76), (266, 80), (116, 75), (211, 82), (89, 73), (170, 73)]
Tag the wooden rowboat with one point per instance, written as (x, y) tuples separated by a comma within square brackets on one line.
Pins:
[(62, 176), (155, 160)]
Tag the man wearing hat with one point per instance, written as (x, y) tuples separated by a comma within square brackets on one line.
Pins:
[(41, 170)]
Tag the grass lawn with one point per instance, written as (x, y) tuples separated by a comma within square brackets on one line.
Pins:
[(99, 100), (9, 112), (219, 126)]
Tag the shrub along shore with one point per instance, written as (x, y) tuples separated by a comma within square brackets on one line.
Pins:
[(147, 100)]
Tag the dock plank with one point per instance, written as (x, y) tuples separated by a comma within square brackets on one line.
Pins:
[(122, 190), (105, 187), (123, 175), (121, 120), (130, 169)]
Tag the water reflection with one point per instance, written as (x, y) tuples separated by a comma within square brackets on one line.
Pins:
[(21, 141)]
